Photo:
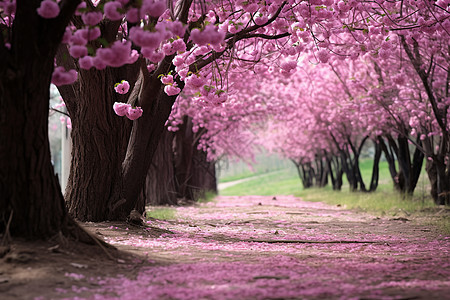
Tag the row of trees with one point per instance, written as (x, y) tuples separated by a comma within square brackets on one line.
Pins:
[(198, 55), (341, 106)]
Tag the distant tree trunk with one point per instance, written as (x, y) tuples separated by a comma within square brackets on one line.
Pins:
[(336, 173), (375, 167), (406, 179), (321, 172), (203, 175), (29, 189), (391, 159), (193, 173), (159, 187), (305, 172)]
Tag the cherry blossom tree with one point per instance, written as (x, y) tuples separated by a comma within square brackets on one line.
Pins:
[(173, 55), (31, 204)]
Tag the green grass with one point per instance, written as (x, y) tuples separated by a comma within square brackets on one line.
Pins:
[(208, 197), (283, 182), (161, 213), (243, 175), (379, 202)]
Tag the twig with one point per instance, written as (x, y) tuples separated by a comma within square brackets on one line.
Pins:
[(309, 241), (7, 236)]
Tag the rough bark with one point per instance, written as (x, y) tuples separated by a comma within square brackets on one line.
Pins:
[(96, 129), (29, 189), (143, 142), (159, 187), (194, 174), (202, 178)]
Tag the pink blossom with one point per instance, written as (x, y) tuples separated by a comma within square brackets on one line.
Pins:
[(79, 38), (117, 55), (261, 20), (154, 8), (112, 10), (167, 49), (289, 65), (323, 55), (134, 113), (133, 15), (89, 34), (195, 81), (62, 77), (92, 18), (122, 87), (49, 9), (172, 90), (121, 108), (177, 28), (251, 8), (178, 60), (77, 51), (168, 79), (152, 55), (179, 45), (146, 39), (98, 63), (209, 35)]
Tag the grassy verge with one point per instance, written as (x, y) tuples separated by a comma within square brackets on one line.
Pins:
[(161, 213), (283, 182)]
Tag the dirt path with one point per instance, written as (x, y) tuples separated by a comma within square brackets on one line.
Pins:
[(252, 248)]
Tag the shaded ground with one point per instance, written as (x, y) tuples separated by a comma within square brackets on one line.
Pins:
[(241, 248)]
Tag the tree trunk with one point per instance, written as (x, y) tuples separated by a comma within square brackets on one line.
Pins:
[(390, 158), (159, 187), (194, 174), (375, 168), (29, 189), (202, 176), (99, 140), (142, 145)]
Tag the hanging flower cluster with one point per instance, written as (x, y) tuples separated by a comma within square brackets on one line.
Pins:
[(125, 109)]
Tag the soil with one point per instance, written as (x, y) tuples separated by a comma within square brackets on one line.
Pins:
[(251, 247)]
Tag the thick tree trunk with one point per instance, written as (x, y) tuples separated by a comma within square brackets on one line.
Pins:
[(29, 189), (142, 145), (159, 187), (99, 140)]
